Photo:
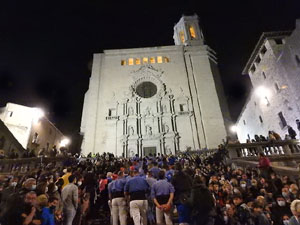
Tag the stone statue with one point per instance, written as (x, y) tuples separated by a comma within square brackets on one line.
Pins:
[(147, 111), (130, 111), (131, 131), (167, 129), (148, 130), (165, 108)]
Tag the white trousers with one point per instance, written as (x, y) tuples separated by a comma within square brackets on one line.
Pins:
[(119, 211), (138, 211), (162, 216)]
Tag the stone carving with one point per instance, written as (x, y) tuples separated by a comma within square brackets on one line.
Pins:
[(130, 131), (146, 71), (147, 111), (166, 128), (131, 153), (165, 108), (130, 111), (148, 130), (168, 150)]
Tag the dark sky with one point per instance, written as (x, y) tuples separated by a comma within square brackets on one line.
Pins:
[(46, 46)]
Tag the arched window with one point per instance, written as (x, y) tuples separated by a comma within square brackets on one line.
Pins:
[(192, 32), (137, 61), (159, 59), (145, 60), (152, 60), (166, 60), (130, 61)]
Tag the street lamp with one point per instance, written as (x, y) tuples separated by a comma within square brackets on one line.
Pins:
[(64, 142)]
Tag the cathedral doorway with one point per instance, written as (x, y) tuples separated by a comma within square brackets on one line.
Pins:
[(149, 150)]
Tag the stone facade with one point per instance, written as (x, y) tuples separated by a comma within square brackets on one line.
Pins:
[(30, 132), (274, 70), (155, 100), (8, 142)]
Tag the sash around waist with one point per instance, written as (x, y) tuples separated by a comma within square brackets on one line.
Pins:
[(162, 199), (137, 195), (117, 194)]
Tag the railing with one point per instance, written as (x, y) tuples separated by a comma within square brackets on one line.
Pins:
[(271, 148), (285, 154), (24, 165)]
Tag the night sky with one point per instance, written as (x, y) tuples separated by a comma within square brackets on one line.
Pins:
[(46, 46)]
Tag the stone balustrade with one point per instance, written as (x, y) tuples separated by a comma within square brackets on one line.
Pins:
[(23, 165)]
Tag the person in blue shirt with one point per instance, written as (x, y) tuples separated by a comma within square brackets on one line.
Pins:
[(48, 212), (117, 200), (169, 173), (155, 170), (162, 193), (136, 189)]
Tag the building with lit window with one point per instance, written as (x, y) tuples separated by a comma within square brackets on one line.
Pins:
[(274, 70), (30, 127), (156, 100)]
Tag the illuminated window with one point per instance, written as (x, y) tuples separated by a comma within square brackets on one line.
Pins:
[(166, 60), (123, 62), (152, 60), (137, 61), (181, 35), (145, 60), (159, 59), (130, 61), (192, 32)]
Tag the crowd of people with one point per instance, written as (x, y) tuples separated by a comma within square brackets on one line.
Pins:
[(185, 189)]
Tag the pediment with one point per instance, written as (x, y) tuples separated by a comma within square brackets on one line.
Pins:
[(146, 71)]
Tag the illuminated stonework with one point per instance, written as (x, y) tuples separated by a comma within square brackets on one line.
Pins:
[(166, 99)]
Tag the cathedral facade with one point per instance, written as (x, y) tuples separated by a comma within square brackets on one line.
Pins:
[(157, 99)]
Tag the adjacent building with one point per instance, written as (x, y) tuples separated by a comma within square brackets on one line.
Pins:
[(30, 127), (157, 99), (274, 70)]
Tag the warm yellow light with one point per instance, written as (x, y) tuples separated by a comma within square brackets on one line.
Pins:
[(137, 61), (123, 62), (166, 59), (152, 60), (284, 86), (159, 59), (145, 60), (130, 61), (181, 35), (192, 32)]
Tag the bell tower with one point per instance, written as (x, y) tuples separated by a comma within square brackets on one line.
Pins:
[(187, 31)]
